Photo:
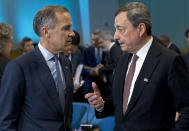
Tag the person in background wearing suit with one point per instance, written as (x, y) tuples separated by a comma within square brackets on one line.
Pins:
[(76, 42), (74, 53), (91, 57), (113, 53), (26, 44), (186, 55), (5, 46), (187, 37), (167, 43), (37, 87), (150, 82)]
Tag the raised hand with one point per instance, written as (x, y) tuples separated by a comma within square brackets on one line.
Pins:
[(95, 99)]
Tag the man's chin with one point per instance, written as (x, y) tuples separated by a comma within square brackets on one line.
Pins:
[(123, 48)]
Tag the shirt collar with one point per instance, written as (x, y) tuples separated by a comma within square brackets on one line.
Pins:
[(46, 54), (111, 45), (144, 50), (169, 44)]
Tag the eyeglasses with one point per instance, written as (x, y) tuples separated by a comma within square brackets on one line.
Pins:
[(121, 29)]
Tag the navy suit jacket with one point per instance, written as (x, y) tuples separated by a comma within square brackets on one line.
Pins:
[(28, 98), (161, 89), (88, 59)]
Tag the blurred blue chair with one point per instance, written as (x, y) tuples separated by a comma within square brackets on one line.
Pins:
[(83, 113), (79, 109), (90, 118), (107, 124)]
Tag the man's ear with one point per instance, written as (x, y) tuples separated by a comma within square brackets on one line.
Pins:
[(141, 29), (45, 32)]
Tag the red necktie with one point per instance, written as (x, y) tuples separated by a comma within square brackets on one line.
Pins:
[(128, 82)]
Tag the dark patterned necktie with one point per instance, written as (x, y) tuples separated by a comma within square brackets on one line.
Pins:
[(60, 84)]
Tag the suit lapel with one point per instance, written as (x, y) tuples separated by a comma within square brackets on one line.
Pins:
[(149, 65), (46, 79)]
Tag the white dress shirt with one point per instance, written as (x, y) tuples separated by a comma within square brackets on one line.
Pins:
[(141, 57), (51, 64)]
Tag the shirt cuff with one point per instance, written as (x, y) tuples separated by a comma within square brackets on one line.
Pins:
[(100, 109)]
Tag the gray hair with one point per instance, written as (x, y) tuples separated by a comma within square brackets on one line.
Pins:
[(5, 35), (106, 35), (137, 13), (47, 17)]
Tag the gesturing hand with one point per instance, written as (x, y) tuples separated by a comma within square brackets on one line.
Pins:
[(95, 99)]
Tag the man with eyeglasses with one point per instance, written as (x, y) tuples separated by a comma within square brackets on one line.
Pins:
[(150, 82)]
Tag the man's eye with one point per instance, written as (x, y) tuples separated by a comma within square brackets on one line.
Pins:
[(66, 28), (120, 30)]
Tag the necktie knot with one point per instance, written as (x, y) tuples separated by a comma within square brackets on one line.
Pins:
[(135, 57)]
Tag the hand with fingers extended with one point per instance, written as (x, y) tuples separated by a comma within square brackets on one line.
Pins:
[(95, 99)]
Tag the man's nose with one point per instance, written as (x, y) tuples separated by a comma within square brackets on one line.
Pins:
[(116, 36), (72, 33)]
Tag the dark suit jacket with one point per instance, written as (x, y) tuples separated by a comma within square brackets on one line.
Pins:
[(186, 59), (3, 63), (162, 87), (75, 60), (111, 59), (88, 59), (175, 48), (28, 97)]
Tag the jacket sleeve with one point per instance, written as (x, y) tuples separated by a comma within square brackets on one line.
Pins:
[(179, 85), (11, 97), (108, 109)]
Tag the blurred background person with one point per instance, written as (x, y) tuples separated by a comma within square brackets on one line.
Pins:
[(113, 53), (91, 57), (76, 50), (76, 42), (186, 49), (187, 37), (5, 45), (73, 53), (186, 55), (26, 44), (167, 43)]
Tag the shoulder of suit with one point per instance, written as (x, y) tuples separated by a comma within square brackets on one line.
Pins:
[(163, 50), (186, 56)]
